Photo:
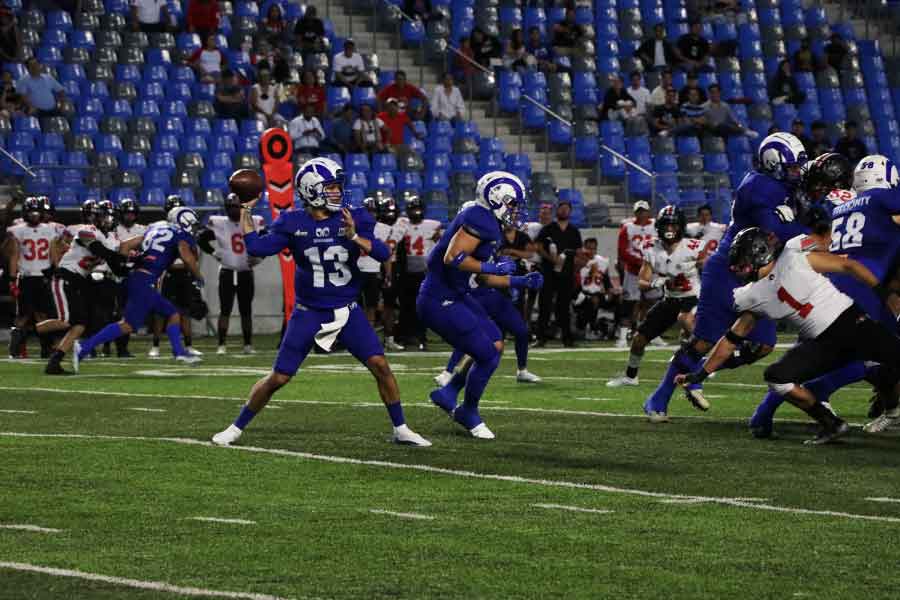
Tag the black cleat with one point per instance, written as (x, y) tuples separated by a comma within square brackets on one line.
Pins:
[(876, 406), (124, 354), (16, 338), (56, 369), (826, 436)]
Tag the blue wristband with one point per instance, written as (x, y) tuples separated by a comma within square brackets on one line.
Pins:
[(458, 259), (518, 281)]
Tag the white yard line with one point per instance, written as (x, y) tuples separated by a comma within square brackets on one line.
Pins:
[(550, 483), (34, 528), (144, 409), (221, 520), (402, 515), (596, 511), (892, 500), (158, 586), (18, 412)]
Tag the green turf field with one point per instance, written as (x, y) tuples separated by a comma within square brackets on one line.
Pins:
[(578, 497)]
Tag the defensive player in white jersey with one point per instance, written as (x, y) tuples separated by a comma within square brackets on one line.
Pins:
[(104, 285), (634, 235), (379, 279), (235, 271), (128, 228), (533, 229), (419, 236), (706, 230), (71, 292), (671, 263), (29, 265), (788, 283)]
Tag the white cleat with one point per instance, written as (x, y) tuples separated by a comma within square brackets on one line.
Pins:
[(526, 376), (221, 351), (443, 379), (227, 437), (621, 381), (482, 432), (658, 341), (190, 350), (622, 343), (154, 352), (188, 359), (887, 420), (393, 346), (407, 437), (76, 361), (696, 398), (657, 417), (248, 349)]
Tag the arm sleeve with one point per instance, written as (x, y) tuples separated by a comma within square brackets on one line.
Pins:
[(268, 244)]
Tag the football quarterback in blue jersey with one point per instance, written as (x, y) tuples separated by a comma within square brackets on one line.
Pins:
[(445, 303), (159, 247), (326, 240), (764, 199)]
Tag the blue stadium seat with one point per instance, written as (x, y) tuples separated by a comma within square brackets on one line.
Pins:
[(687, 144), (363, 95), (75, 159), (118, 108), (665, 163), (147, 108), (832, 104), (637, 144), (436, 181), (133, 161), (65, 198), (491, 162), (199, 126), (587, 149), (154, 196), (357, 162), (71, 73), (173, 125), (560, 133), (440, 128), (214, 178), (173, 108), (108, 142), (220, 160), (86, 125), (179, 90), (357, 179), (439, 143), (55, 37), (438, 161), (509, 99), (183, 73), (26, 124), (463, 163), (51, 141), (44, 158), (384, 162), (518, 162), (716, 162), (22, 140), (157, 57), (409, 180)]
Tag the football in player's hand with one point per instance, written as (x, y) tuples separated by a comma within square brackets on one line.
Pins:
[(247, 184)]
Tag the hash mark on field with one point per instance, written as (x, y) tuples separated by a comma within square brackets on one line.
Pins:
[(34, 528), (596, 399), (552, 483), (597, 511), (684, 501), (159, 586), (19, 412), (150, 410), (219, 520), (390, 513), (883, 499)]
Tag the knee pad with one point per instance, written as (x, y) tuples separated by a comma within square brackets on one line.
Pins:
[(782, 389)]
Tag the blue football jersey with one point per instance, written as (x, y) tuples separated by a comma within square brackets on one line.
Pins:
[(159, 249), (445, 281), (327, 275)]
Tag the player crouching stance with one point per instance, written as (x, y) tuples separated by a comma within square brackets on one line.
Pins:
[(788, 284), (446, 305), (671, 263), (326, 241)]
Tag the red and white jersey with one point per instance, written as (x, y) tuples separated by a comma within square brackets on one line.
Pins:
[(389, 236), (633, 238), (838, 197), (592, 275), (709, 234), (678, 267), (34, 246), (230, 240), (420, 238), (126, 233), (58, 227), (78, 259), (112, 242), (794, 291)]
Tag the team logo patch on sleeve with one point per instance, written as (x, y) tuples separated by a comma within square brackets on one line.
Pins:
[(808, 243)]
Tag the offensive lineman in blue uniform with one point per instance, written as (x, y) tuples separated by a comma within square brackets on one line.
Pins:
[(160, 245), (445, 304), (326, 241), (762, 200)]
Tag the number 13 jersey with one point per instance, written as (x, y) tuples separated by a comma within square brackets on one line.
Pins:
[(794, 291)]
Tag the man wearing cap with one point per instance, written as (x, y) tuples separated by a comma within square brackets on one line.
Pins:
[(557, 244), (634, 235), (400, 89), (348, 65)]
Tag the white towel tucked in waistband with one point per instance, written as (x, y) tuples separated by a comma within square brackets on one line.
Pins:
[(329, 331)]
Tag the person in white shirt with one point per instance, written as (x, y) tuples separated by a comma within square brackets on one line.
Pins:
[(447, 101), (658, 95), (264, 99), (149, 16), (596, 302), (348, 66), (368, 131), (306, 131), (638, 93), (706, 230)]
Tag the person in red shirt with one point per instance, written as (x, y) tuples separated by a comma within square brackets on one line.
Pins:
[(395, 123), (202, 17), (401, 90), (309, 92)]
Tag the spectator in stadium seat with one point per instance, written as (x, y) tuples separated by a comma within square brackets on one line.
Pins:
[(720, 118), (396, 122), (41, 92), (273, 26), (202, 17), (12, 104), (804, 59), (536, 48), (306, 132), (342, 135), (420, 9), (348, 66), (836, 51), (400, 89), (464, 69), (657, 53), (231, 101), (309, 32), (267, 57), (484, 47), (694, 49), (617, 103), (798, 128), (149, 16), (783, 87), (447, 101), (667, 119), (694, 113), (693, 83), (850, 145), (264, 98), (638, 93), (515, 56), (368, 131), (819, 142), (10, 36), (566, 33), (310, 92), (658, 95), (208, 60)]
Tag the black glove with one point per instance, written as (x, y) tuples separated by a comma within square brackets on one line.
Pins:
[(197, 309), (696, 377)]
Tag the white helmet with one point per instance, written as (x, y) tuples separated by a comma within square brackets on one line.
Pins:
[(184, 219), (503, 194), (782, 156), (312, 179), (875, 172)]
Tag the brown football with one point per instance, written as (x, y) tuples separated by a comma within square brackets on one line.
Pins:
[(246, 183)]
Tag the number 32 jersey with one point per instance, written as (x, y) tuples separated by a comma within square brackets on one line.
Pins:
[(34, 246), (794, 291), (327, 275)]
